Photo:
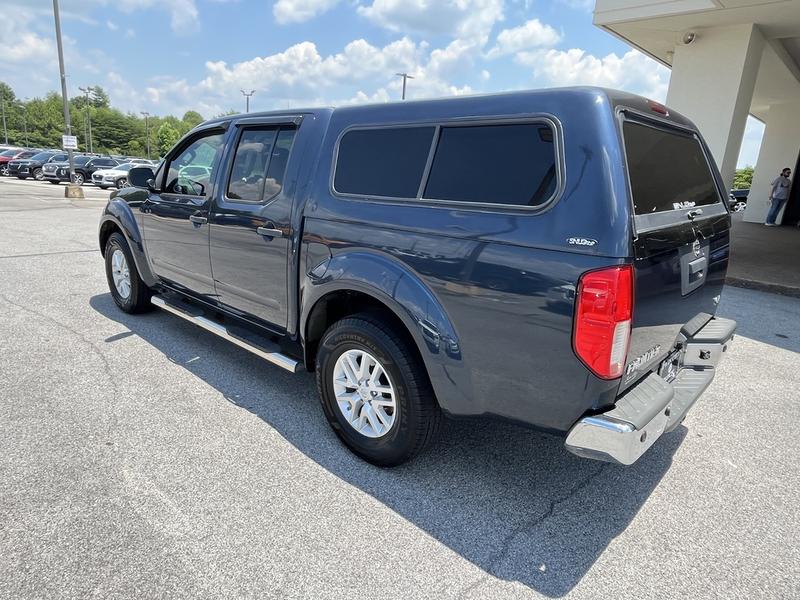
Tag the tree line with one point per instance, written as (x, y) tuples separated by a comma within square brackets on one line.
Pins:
[(39, 123)]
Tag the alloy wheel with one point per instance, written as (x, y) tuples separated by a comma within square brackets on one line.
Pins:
[(121, 273), (364, 393)]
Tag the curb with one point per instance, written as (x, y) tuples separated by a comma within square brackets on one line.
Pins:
[(772, 288)]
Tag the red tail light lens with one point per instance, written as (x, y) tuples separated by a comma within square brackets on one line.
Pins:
[(603, 312)]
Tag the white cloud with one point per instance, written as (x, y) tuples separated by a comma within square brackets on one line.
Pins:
[(587, 5), (19, 44), (184, 16), (297, 11), (532, 34), (111, 25), (463, 19), (633, 71)]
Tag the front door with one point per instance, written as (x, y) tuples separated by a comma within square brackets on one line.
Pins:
[(250, 220), (175, 216)]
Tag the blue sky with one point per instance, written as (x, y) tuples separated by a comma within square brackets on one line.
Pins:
[(169, 56)]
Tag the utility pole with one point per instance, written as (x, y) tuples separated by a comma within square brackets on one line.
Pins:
[(146, 131), (67, 124), (247, 99), (25, 124), (405, 77), (5, 130), (88, 90)]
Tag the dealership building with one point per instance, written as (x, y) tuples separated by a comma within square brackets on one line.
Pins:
[(729, 58)]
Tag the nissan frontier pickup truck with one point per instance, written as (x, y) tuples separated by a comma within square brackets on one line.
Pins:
[(554, 258)]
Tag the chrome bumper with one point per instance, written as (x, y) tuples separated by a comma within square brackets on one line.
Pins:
[(653, 406)]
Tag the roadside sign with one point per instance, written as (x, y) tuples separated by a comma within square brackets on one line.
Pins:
[(69, 142)]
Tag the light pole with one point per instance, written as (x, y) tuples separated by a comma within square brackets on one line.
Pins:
[(247, 99), (146, 131), (67, 124), (25, 123), (405, 77), (88, 90)]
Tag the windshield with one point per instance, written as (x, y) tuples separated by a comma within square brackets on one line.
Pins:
[(26, 154), (42, 156), (668, 169), (124, 167)]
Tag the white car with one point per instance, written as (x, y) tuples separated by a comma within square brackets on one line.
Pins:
[(115, 177)]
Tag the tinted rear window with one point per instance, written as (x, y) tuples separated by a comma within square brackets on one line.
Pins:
[(383, 162), (495, 164), (668, 170)]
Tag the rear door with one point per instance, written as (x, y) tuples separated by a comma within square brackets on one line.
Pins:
[(682, 239), (250, 220)]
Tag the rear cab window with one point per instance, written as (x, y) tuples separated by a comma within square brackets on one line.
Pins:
[(668, 170), (512, 164), (259, 164)]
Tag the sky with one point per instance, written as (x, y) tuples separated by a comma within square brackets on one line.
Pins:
[(170, 56)]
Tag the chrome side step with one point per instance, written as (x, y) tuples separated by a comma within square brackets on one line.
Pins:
[(264, 351)]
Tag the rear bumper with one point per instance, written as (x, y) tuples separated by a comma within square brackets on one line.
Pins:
[(654, 406)]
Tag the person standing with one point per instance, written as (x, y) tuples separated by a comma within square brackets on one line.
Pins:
[(779, 193)]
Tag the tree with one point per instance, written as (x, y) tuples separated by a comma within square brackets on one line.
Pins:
[(192, 119), (167, 137), (743, 178)]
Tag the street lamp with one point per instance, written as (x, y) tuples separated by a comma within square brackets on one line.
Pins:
[(3, 105), (67, 125), (405, 77), (146, 131), (88, 90), (247, 99)]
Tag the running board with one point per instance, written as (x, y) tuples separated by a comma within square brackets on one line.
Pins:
[(267, 351)]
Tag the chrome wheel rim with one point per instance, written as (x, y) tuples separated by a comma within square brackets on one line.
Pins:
[(739, 206), (38, 175), (121, 274), (364, 393), (122, 183), (77, 179)]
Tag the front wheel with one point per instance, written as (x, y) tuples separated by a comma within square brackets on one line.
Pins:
[(375, 391), (128, 290), (54, 181), (4, 171), (122, 182), (38, 174), (77, 178)]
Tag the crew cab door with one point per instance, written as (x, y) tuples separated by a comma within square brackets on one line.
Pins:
[(250, 219), (682, 239), (175, 215)]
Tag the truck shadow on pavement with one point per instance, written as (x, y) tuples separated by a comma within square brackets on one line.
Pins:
[(510, 500)]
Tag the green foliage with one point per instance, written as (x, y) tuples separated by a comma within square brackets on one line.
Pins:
[(743, 178), (113, 132), (168, 135)]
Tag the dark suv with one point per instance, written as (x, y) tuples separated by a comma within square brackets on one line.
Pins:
[(554, 258), (32, 167), (10, 155), (84, 167)]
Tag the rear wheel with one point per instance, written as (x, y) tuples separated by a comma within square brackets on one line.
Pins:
[(38, 174), (22, 177), (4, 171), (375, 391), (128, 290)]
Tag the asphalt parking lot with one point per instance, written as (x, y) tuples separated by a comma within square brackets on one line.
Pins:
[(141, 457)]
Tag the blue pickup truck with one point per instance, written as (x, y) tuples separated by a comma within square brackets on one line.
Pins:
[(553, 257)]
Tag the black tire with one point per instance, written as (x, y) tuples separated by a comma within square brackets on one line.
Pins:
[(22, 177), (38, 174), (418, 417), (138, 300), (54, 182), (122, 182), (4, 171), (103, 187), (78, 178)]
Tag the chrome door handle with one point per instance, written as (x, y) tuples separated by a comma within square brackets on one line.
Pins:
[(269, 232), (198, 220)]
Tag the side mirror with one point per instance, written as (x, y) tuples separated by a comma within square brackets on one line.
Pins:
[(141, 177)]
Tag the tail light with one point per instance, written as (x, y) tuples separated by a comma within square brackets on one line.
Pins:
[(603, 312)]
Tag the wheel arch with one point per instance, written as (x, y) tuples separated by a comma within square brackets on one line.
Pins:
[(366, 282), (119, 217)]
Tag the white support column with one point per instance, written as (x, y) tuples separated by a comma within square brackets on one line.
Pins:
[(712, 83), (779, 148)]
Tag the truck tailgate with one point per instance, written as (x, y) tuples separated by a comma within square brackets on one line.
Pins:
[(682, 240)]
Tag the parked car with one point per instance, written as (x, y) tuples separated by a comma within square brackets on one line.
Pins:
[(737, 200), (84, 167), (142, 161), (503, 255), (115, 177), (32, 167), (9, 155)]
